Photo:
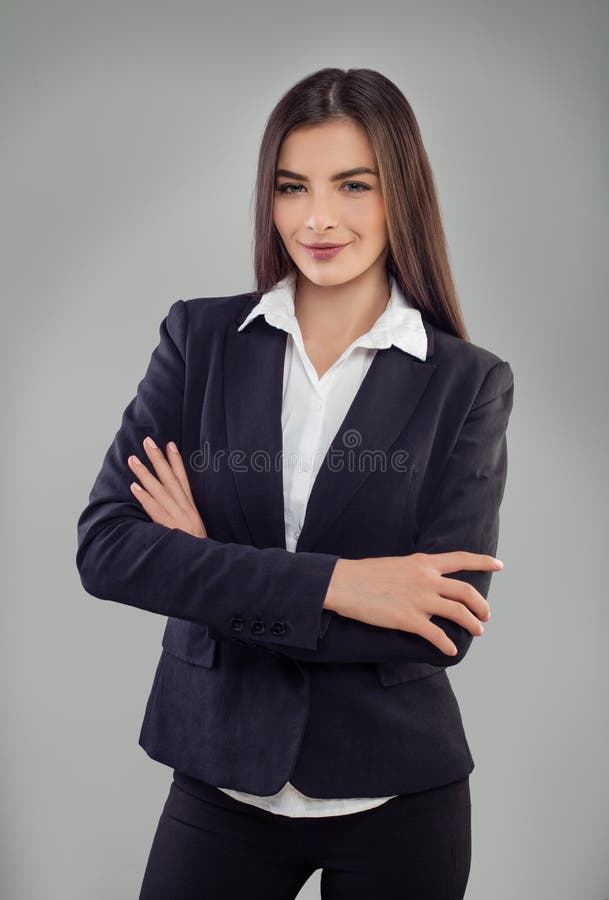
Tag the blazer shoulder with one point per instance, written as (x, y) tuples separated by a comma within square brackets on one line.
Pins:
[(465, 362), (196, 320), (218, 309)]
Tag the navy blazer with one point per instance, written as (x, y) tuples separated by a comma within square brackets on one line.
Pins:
[(257, 683)]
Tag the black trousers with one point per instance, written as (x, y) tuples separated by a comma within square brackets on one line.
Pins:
[(210, 846)]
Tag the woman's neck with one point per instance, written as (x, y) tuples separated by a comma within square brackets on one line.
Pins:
[(335, 315)]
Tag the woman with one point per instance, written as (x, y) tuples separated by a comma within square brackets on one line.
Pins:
[(307, 484)]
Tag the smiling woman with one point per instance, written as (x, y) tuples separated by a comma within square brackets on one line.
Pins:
[(321, 136), (326, 208), (301, 696)]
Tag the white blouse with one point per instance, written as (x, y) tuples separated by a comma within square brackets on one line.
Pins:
[(312, 412)]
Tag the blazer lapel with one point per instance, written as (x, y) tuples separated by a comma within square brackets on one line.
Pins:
[(253, 385), (381, 409), (253, 379)]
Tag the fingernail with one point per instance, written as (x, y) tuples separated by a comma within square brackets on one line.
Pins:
[(499, 563), (150, 442), (135, 460), (172, 447)]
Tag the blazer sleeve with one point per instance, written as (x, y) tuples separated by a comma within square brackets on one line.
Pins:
[(464, 515), (125, 557)]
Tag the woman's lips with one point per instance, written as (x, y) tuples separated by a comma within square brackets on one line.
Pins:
[(324, 253)]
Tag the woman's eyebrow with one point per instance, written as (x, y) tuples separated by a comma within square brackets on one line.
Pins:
[(362, 170)]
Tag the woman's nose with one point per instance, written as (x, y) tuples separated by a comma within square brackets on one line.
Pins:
[(321, 215)]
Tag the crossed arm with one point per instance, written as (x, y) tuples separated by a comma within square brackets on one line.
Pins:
[(149, 549)]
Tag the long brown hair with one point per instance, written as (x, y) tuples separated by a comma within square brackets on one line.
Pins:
[(417, 255)]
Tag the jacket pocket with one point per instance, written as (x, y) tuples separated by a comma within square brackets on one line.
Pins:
[(390, 673), (190, 642)]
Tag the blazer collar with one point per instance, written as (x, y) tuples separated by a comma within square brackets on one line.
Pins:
[(253, 380)]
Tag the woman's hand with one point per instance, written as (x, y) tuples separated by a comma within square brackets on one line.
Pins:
[(404, 592), (167, 501)]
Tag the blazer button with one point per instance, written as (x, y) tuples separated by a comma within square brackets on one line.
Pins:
[(237, 624), (258, 627), (278, 627)]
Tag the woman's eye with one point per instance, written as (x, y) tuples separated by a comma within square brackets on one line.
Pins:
[(283, 189), (360, 188)]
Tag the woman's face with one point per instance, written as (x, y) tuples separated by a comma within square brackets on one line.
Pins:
[(312, 205)]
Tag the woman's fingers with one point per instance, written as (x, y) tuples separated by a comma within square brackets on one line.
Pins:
[(168, 490), (177, 465), (457, 612), (465, 593), (152, 485), (463, 560), (167, 499), (436, 636), (166, 473), (151, 506)]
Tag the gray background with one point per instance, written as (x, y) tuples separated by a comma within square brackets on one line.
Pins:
[(129, 140)]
